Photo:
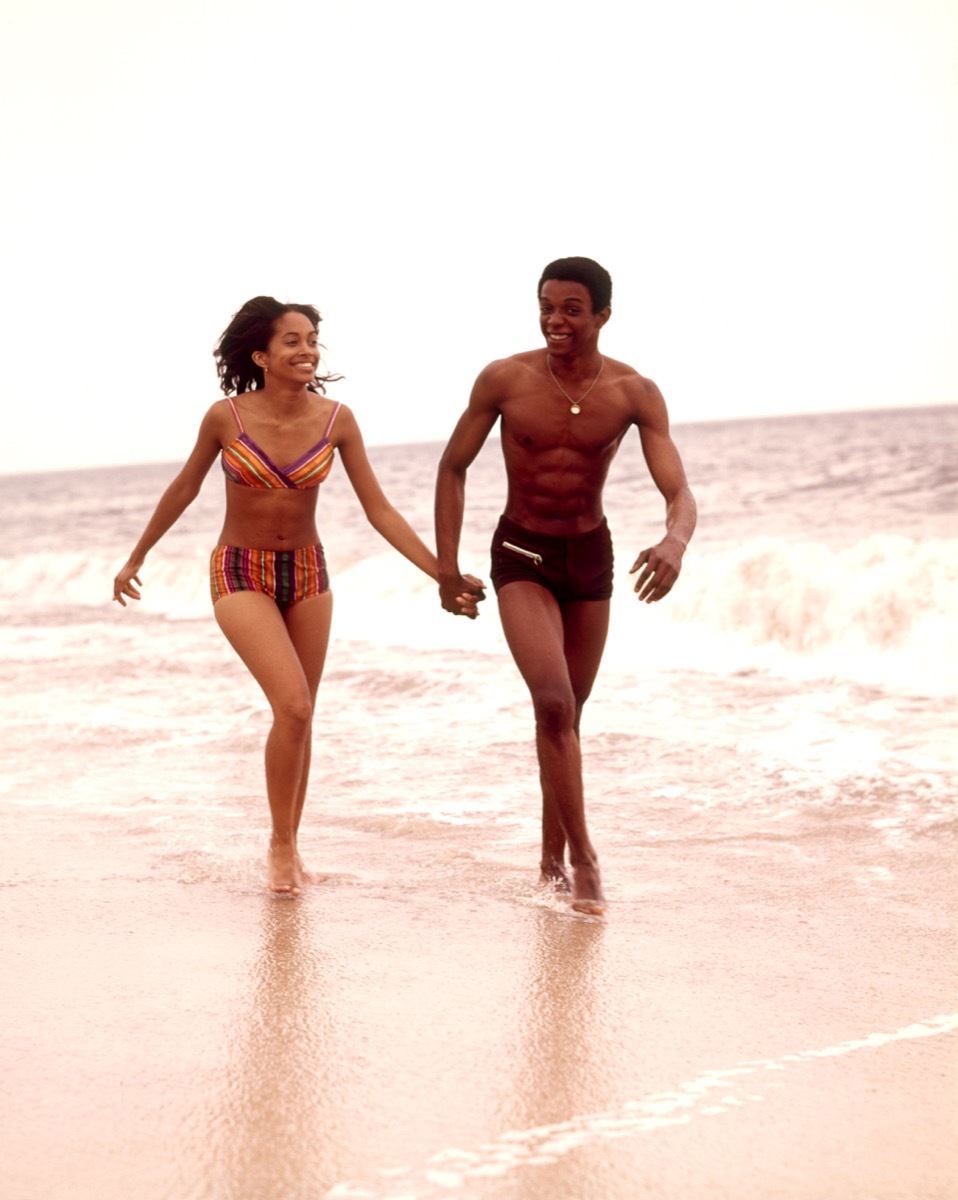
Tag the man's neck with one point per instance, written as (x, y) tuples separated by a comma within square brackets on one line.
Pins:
[(575, 365)]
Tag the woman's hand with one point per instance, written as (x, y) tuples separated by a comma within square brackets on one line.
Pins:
[(123, 584)]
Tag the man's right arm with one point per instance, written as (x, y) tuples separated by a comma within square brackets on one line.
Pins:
[(467, 440)]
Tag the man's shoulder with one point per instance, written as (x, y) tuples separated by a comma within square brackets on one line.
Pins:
[(625, 373), (503, 375), (514, 363), (637, 388)]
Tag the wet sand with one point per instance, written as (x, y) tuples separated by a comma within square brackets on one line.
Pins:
[(732, 1029)]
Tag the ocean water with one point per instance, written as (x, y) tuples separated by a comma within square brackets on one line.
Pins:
[(800, 680)]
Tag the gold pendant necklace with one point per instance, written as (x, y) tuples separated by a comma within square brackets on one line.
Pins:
[(576, 405)]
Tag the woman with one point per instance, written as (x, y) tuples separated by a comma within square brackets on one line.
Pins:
[(268, 574)]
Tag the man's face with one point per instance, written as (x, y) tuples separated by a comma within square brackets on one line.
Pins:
[(566, 318)]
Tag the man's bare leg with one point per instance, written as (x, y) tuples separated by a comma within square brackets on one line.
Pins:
[(560, 764), (559, 681), (552, 864), (553, 838), (585, 626)]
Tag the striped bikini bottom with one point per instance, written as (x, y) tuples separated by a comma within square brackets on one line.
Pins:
[(286, 576)]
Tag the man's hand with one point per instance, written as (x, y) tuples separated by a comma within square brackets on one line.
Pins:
[(461, 595), (658, 568)]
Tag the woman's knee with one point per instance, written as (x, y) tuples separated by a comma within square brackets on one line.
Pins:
[(294, 711)]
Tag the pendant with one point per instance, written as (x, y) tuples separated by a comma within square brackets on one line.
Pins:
[(575, 410)]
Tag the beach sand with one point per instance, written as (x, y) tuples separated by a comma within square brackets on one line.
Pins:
[(735, 1027), (768, 1012)]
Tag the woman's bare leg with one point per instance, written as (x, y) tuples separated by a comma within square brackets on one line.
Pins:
[(257, 631), (308, 624)]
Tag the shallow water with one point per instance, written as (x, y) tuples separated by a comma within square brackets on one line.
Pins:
[(767, 1010)]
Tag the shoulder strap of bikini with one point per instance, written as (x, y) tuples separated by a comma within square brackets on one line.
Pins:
[(236, 416), (332, 417)]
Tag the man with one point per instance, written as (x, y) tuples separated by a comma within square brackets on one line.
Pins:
[(565, 410)]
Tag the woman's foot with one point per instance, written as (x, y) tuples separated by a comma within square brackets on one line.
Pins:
[(285, 869)]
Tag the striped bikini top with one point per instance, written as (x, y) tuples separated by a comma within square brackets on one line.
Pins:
[(246, 464)]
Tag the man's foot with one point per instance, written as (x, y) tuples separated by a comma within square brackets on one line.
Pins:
[(587, 895), (285, 869), (553, 874)]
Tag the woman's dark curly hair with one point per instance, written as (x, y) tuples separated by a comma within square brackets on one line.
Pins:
[(250, 330)]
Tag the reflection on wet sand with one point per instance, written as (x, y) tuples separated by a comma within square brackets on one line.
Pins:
[(561, 1029), (277, 1088)]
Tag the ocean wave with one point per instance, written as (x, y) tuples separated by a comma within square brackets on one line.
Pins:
[(879, 610), (807, 597), (78, 584)]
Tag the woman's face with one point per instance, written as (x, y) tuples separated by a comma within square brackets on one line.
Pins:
[(292, 355)]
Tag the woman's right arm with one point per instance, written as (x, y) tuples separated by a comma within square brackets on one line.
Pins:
[(173, 503)]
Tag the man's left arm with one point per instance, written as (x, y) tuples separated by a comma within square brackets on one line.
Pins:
[(659, 566)]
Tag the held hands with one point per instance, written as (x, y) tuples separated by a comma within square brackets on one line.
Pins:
[(462, 596), (658, 568), (123, 584)]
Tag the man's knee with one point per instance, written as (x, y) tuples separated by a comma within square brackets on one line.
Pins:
[(556, 710)]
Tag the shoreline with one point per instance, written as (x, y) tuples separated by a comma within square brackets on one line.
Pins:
[(469, 1037)]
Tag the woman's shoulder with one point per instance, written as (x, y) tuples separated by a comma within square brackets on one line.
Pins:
[(219, 419), (222, 408), (342, 419)]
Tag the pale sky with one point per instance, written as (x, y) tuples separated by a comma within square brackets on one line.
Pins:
[(773, 185)]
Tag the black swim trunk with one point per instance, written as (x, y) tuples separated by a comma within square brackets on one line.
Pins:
[(572, 568)]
